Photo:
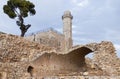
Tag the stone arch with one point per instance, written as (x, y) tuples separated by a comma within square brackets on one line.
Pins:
[(82, 50), (78, 56), (73, 60)]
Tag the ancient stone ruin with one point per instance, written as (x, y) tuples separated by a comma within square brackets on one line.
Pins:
[(51, 55)]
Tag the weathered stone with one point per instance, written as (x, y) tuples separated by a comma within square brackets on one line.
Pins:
[(53, 57), (85, 73), (16, 64)]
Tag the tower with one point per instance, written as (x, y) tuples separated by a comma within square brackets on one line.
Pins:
[(67, 29)]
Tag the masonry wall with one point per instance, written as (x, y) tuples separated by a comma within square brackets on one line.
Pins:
[(105, 57), (17, 54), (52, 64), (49, 38)]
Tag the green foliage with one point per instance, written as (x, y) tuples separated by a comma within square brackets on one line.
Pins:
[(9, 11), (20, 9), (15, 8)]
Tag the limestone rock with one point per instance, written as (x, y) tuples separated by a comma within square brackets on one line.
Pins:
[(17, 54)]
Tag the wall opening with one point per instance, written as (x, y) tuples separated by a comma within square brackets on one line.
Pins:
[(0, 76), (30, 70), (78, 57), (90, 55)]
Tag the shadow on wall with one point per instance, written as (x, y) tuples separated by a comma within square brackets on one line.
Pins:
[(30, 70), (3, 75), (0, 76), (59, 63)]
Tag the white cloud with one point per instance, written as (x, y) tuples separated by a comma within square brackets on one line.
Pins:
[(80, 3), (94, 20), (117, 46), (83, 3), (74, 26), (74, 1)]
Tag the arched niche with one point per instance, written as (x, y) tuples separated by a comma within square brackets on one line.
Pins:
[(73, 61), (0, 76), (30, 70)]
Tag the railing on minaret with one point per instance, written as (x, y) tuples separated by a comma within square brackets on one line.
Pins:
[(67, 29)]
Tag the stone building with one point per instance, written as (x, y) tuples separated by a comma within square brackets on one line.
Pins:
[(55, 39), (39, 58)]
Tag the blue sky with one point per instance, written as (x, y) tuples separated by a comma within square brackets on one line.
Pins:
[(94, 20)]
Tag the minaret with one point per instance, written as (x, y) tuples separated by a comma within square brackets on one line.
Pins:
[(67, 29)]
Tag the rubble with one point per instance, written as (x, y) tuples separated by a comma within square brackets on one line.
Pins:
[(17, 54)]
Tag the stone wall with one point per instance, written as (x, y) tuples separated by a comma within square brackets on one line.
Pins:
[(82, 77), (49, 38), (16, 49), (17, 54), (74, 61), (13, 70), (106, 58)]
